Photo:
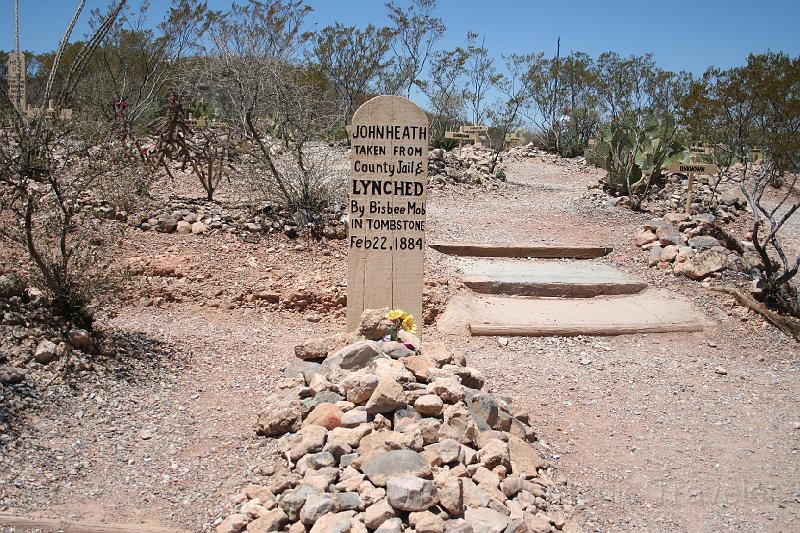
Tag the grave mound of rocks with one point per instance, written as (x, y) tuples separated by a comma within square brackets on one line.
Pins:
[(380, 437), (530, 151), (695, 246), (726, 203), (471, 167)]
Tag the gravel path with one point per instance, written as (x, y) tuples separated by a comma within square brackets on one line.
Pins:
[(655, 433), (677, 432)]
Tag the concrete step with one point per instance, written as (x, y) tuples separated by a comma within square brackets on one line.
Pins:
[(576, 279), (650, 311)]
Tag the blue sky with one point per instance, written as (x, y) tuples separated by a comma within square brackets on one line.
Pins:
[(683, 35)]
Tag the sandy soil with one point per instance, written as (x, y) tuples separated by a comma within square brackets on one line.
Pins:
[(647, 431)]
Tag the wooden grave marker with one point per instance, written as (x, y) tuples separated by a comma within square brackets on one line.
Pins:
[(17, 80), (461, 137), (477, 128), (513, 139), (388, 194), (690, 169)]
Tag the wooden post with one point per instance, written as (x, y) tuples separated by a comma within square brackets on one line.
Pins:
[(461, 136), (388, 194), (690, 170)]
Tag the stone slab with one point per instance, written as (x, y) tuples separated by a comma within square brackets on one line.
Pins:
[(651, 311), (568, 279)]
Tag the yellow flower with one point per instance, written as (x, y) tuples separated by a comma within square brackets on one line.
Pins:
[(396, 314), (408, 324)]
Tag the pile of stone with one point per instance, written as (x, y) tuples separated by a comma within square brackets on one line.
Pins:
[(695, 246), (185, 217), (383, 438), (471, 167), (726, 203), (529, 151)]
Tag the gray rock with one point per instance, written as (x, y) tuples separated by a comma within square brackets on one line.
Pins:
[(669, 234), (484, 410), (315, 506), (655, 255), (309, 439), (306, 406), (313, 349), (11, 376), (355, 356), (387, 396), (703, 242), (485, 520), (708, 218), (470, 377), (408, 493), (291, 501), (166, 225), (11, 285), (348, 501), (301, 368), (393, 525), (395, 349), (701, 265), (354, 418), (347, 459), (733, 197), (394, 463)]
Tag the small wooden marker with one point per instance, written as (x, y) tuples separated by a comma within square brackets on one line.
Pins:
[(690, 169), (461, 137)]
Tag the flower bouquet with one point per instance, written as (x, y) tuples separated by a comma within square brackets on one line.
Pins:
[(402, 329)]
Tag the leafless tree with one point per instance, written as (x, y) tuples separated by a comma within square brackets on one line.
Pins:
[(480, 76), (256, 79)]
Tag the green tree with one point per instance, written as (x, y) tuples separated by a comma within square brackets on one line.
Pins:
[(416, 31), (352, 59)]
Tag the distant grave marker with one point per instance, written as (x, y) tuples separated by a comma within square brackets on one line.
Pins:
[(461, 137), (513, 139), (690, 169), (474, 129), (17, 80), (388, 194)]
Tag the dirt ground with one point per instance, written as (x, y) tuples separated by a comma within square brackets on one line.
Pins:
[(671, 432)]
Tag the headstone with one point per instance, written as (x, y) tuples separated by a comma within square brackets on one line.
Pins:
[(388, 194), (17, 80)]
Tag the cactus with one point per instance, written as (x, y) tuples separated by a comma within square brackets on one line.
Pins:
[(633, 153)]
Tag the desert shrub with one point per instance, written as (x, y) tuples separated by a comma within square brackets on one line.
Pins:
[(48, 167), (439, 141)]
